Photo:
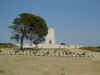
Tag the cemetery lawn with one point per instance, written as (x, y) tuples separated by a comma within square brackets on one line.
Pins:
[(43, 65)]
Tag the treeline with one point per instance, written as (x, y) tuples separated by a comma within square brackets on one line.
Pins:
[(95, 49), (7, 45)]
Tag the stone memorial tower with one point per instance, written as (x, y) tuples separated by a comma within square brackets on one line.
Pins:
[(50, 38)]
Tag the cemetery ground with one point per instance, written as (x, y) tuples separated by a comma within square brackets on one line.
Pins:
[(47, 65)]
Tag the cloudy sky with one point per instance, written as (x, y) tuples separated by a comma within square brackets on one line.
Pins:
[(74, 21)]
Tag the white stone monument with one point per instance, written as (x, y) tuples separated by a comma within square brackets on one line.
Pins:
[(50, 41), (50, 38)]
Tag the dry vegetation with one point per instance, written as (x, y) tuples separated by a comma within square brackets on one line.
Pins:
[(94, 49), (35, 65), (7, 45)]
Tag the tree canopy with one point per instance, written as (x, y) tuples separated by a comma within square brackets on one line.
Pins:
[(29, 26)]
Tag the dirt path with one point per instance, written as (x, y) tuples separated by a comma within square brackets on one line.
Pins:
[(32, 65)]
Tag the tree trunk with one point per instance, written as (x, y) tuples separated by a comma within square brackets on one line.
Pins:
[(31, 42), (21, 42)]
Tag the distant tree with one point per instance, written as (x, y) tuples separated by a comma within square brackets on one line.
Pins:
[(29, 26), (98, 47), (62, 43)]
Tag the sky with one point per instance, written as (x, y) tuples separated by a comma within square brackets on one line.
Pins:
[(74, 21)]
